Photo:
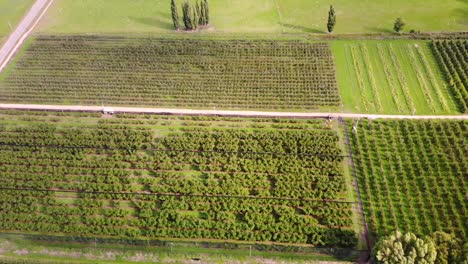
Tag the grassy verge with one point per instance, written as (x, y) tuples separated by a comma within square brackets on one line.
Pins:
[(17, 247)]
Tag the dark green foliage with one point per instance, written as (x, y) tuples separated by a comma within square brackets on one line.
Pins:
[(175, 15), (331, 19), (399, 25)]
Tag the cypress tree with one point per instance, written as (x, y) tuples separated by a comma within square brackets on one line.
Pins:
[(194, 18), (175, 15), (207, 12), (199, 13), (331, 19), (202, 11), (187, 14)]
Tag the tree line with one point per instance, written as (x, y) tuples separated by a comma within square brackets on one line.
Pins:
[(193, 15)]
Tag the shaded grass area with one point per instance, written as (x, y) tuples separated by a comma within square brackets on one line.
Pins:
[(392, 77)]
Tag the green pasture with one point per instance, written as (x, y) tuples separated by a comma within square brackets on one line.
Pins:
[(11, 12), (391, 77), (374, 16), (262, 16), (122, 16)]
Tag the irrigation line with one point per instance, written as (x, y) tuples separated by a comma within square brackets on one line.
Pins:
[(353, 167), (171, 150), (176, 195)]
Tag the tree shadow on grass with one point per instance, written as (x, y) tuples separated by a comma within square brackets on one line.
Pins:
[(151, 21), (303, 29)]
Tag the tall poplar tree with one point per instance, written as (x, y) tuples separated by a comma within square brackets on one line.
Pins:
[(331, 19), (175, 15)]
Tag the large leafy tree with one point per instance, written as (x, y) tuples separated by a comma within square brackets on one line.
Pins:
[(399, 248)]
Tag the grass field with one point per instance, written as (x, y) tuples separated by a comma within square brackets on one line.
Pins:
[(266, 16), (393, 77), (234, 74), (11, 12), (169, 177), (368, 16), (412, 175), (67, 16)]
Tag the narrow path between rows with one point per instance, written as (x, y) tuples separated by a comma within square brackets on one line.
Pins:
[(80, 108)]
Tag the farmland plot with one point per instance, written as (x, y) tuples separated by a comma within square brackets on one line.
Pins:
[(412, 175), (452, 57), (163, 177), (392, 77), (274, 75)]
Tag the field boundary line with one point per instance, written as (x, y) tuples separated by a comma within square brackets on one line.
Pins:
[(22, 31), (228, 113)]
